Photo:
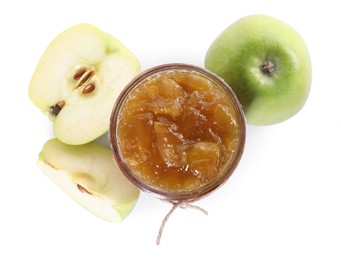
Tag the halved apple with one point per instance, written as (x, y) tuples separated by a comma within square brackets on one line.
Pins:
[(78, 79), (89, 175)]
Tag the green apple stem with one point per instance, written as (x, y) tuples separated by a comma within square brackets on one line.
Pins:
[(182, 204), (268, 67)]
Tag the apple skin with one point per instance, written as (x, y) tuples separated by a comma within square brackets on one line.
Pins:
[(272, 94), (89, 175)]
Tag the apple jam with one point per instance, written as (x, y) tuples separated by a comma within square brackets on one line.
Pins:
[(177, 131)]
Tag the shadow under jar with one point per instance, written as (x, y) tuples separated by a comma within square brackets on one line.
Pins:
[(177, 131)]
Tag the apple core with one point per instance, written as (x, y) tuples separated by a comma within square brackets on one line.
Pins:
[(177, 131)]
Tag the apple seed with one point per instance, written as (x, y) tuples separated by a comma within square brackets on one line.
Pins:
[(82, 189), (50, 164), (79, 74), (88, 89)]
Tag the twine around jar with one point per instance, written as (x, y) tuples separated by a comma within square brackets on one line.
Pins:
[(182, 204)]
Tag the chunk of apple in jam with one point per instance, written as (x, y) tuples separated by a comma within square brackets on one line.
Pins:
[(223, 118), (137, 145), (203, 160), (191, 82), (168, 143), (167, 98)]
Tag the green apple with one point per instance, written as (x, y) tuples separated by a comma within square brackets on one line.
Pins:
[(89, 175), (267, 64), (78, 79)]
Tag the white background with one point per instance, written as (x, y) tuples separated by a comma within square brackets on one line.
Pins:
[(282, 202)]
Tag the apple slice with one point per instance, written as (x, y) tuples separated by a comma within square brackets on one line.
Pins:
[(89, 175), (78, 79)]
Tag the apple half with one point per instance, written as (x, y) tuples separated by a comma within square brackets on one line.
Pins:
[(90, 176), (78, 79)]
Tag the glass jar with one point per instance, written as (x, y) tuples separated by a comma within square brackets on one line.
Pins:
[(172, 103)]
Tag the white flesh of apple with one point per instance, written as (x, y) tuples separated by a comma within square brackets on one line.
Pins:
[(84, 117), (89, 175)]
